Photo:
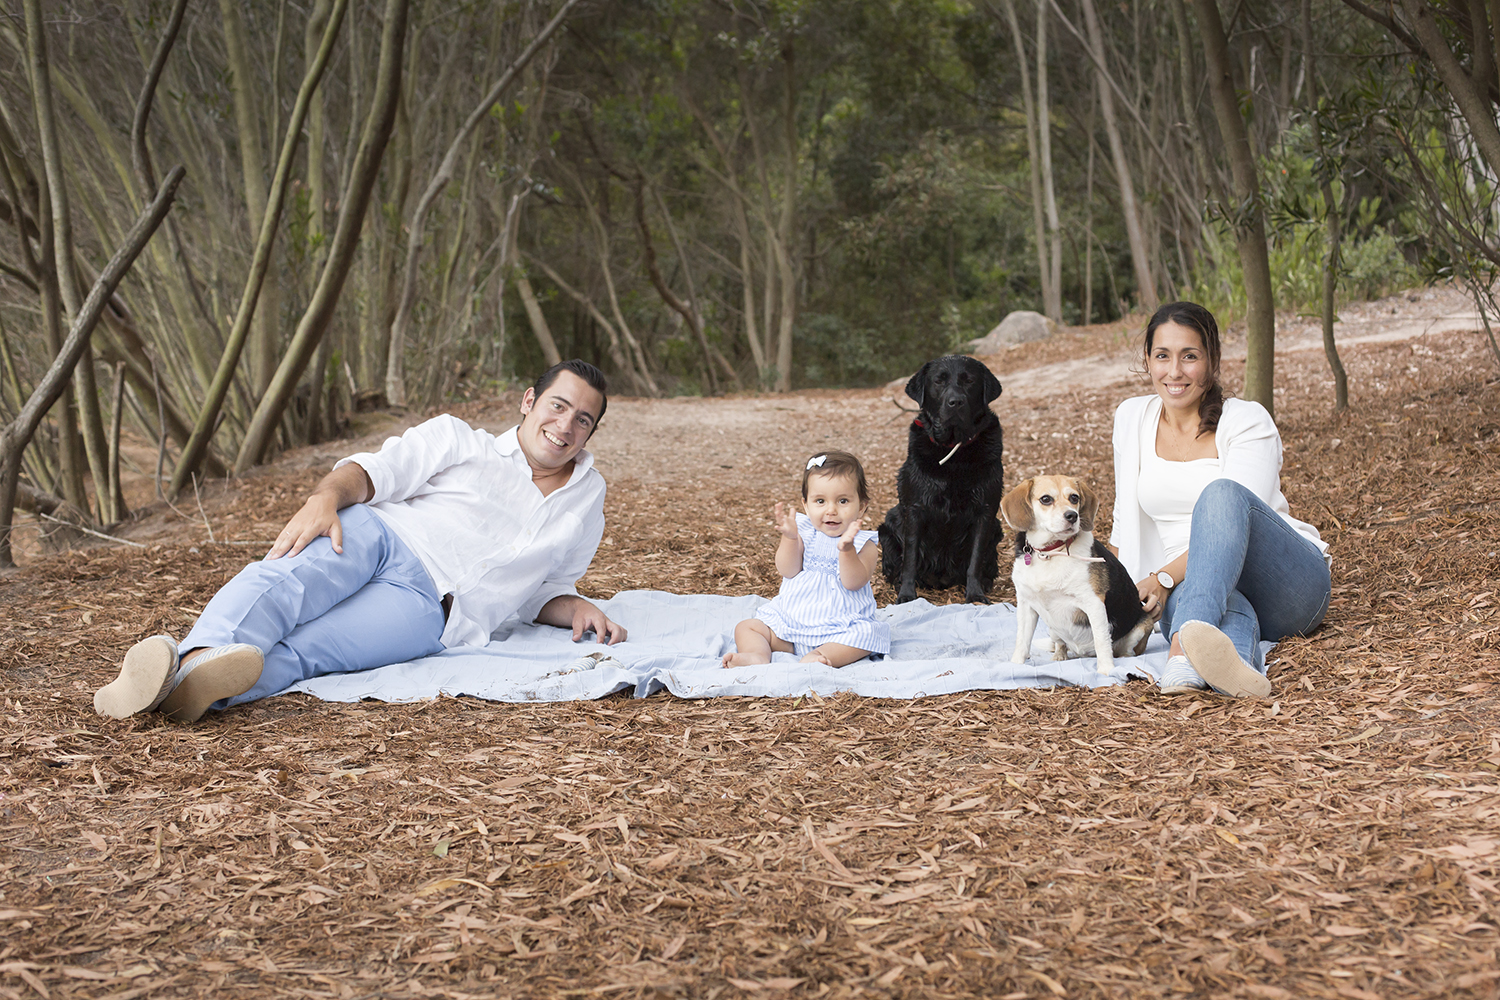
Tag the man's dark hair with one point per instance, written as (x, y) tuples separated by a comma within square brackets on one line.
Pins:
[(593, 376)]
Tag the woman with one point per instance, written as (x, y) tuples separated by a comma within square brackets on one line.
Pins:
[(1200, 520)]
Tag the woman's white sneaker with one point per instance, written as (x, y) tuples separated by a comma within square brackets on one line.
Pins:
[(218, 673), (147, 675), (1179, 677)]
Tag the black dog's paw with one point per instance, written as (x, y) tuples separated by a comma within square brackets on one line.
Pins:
[(973, 595), (903, 596)]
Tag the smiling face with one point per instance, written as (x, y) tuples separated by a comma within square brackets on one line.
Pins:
[(832, 502), (555, 427), (1180, 369)]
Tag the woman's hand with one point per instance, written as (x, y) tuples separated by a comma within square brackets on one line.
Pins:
[(786, 521), (846, 540), (1152, 594)]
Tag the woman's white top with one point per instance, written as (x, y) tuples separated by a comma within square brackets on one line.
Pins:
[(1168, 492), (1249, 449)]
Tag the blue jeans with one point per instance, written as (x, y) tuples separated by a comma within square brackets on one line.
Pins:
[(320, 612), (1248, 572)]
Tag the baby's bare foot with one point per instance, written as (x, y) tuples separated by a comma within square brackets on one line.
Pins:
[(741, 660), (817, 656)]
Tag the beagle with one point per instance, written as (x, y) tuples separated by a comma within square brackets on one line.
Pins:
[(1062, 574)]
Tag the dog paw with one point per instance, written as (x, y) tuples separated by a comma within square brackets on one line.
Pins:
[(903, 596), (976, 598)]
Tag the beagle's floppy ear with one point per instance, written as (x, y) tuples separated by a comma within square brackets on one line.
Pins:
[(916, 385), (1088, 508), (991, 386), (1016, 507)]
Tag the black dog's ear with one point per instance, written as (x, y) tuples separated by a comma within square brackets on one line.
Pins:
[(1015, 509), (991, 386), (917, 383)]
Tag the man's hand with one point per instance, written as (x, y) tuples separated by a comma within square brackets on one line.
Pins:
[(347, 485), (319, 516), (569, 611), (588, 618)]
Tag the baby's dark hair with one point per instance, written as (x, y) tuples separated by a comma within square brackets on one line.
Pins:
[(836, 463)]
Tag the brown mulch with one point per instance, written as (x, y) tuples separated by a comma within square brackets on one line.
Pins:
[(1339, 840)]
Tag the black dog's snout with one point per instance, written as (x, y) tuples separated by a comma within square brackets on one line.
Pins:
[(1071, 517)]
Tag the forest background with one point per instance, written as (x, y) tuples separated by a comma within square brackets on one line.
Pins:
[(408, 202)]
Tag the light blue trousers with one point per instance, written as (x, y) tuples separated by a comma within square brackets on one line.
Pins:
[(320, 612), (1249, 573)]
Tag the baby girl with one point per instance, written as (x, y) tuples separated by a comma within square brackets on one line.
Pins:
[(825, 610)]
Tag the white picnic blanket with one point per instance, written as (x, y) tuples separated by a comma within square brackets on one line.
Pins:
[(676, 642)]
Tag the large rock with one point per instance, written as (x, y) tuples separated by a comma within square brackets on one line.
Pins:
[(1020, 327)]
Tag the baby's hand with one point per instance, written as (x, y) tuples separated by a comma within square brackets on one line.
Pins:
[(786, 521), (846, 540)]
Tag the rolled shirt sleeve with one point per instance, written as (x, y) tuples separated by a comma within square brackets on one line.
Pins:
[(404, 465)]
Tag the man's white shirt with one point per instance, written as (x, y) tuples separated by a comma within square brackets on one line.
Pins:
[(464, 501)]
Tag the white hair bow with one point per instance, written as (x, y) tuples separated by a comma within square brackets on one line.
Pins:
[(816, 461)]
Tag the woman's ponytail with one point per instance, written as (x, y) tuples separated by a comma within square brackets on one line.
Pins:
[(1210, 407)]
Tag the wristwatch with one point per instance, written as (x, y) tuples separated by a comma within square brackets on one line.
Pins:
[(1165, 579)]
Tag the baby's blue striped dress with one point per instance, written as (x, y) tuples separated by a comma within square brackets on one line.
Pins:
[(815, 607)]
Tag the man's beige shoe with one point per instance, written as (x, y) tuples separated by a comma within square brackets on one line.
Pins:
[(219, 673), (146, 677)]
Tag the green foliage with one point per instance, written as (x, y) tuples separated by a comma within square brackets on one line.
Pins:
[(836, 353)]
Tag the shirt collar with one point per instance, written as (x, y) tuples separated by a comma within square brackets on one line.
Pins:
[(509, 444)]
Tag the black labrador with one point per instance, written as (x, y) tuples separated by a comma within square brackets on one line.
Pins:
[(943, 530)]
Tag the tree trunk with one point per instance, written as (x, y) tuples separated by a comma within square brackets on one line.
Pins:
[(17, 435), (539, 327), (1145, 285), (264, 339), (1333, 222), (317, 218), (788, 316), (1088, 224), (314, 322), (62, 246), (1053, 297), (1033, 155), (1187, 81), (687, 310), (1470, 96), (208, 416), (1248, 220), (616, 349), (395, 385), (730, 179)]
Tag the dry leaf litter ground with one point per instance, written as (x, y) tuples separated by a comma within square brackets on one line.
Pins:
[(1337, 840)]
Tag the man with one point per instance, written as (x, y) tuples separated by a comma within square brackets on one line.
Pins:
[(431, 542)]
